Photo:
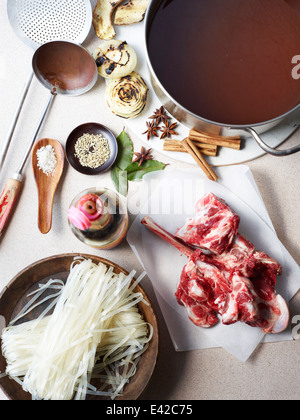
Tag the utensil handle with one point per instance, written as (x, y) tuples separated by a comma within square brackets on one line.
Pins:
[(46, 109), (10, 133), (269, 149), (45, 212), (8, 199)]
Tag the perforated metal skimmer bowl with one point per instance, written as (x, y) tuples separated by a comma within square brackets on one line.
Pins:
[(37, 22)]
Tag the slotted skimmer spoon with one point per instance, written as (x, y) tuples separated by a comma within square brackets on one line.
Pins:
[(37, 22), (64, 68)]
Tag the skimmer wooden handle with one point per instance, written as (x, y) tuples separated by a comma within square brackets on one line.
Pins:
[(7, 201)]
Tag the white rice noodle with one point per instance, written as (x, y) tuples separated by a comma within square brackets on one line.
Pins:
[(42, 287), (95, 331)]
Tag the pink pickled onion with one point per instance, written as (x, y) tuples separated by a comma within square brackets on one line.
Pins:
[(78, 218), (91, 205)]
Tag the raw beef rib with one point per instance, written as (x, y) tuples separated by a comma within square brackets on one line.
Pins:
[(214, 226), (238, 285), (198, 310)]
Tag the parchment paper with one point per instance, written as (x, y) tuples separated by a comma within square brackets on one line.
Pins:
[(169, 198)]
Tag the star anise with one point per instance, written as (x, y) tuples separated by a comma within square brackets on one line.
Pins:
[(151, 129), (168, 130), (159, 116), (142, 156)]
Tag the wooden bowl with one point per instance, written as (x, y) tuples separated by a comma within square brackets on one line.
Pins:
[(14, 297)]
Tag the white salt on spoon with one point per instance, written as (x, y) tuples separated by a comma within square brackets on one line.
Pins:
[(48, 157)]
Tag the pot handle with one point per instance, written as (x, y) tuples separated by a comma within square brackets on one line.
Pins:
[(269, 149)]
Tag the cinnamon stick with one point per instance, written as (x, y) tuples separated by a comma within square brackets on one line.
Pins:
[(199, 159), (203, 133), (231, 142), (171, 145)]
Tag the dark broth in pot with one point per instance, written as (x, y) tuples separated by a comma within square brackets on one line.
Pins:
[(229, 61)]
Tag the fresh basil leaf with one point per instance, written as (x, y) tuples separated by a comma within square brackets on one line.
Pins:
[(125, 154), (136, 172), (119, 179)]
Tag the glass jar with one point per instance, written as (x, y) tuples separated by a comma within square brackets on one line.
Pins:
[(99, 218)]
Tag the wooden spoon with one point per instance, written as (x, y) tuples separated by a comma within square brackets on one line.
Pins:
[(47, 183)]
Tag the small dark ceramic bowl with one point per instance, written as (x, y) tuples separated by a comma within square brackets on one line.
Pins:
[(91, 128)]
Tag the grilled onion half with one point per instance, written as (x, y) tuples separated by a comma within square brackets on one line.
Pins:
[(127, 96), (115, 59)]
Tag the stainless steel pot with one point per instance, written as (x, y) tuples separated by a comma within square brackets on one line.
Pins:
[(192, 120)]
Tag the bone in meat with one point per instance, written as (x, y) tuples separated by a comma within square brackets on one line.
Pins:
[(239, 285), (214, 226)]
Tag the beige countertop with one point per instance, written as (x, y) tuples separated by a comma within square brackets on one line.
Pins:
[(272, 371)]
